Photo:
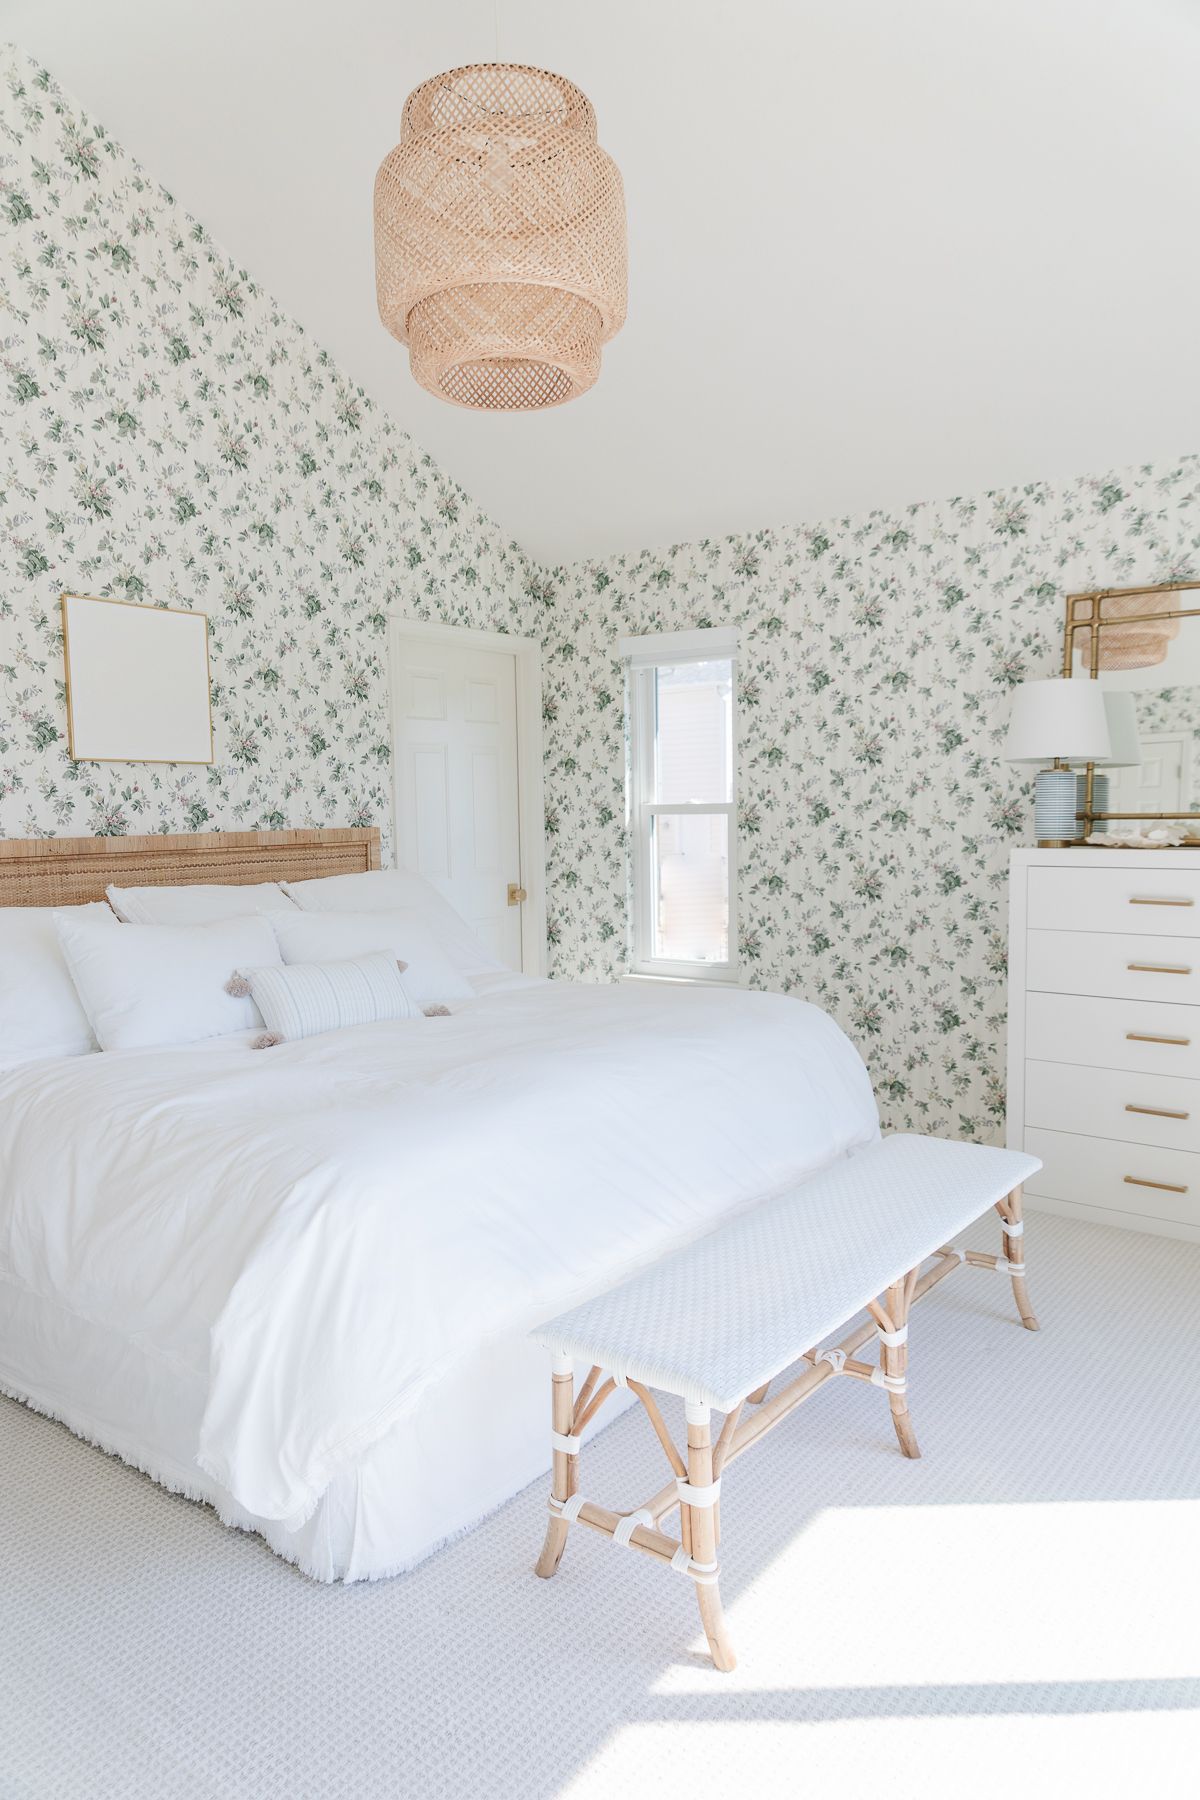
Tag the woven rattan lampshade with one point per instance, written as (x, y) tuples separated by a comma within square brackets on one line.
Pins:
[(1140, 646), (500, 254)]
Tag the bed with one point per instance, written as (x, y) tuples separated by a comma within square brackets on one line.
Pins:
[(298, 1285)]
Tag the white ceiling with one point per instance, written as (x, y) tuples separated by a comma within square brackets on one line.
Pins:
[(878, 251)]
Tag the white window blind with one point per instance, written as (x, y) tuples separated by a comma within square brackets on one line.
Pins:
[(683, 802)]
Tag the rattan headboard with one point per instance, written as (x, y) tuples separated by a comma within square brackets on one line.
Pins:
[(66, 871)]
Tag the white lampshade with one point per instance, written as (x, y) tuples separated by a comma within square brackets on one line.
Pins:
[(1125, 747), (1062, 718)]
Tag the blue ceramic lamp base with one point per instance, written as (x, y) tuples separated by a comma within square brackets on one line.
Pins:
[(1059, 797), (1054, 807)]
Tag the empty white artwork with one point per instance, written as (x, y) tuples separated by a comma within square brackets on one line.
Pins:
[(137, 682)]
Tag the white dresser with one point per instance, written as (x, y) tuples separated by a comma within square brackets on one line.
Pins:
[(1104, 1033)]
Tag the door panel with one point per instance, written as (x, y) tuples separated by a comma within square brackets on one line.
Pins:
[(430, 810), (486, 811), (1161, 783), (457, 811)]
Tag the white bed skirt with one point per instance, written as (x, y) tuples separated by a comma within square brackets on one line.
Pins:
[(477, 1438)]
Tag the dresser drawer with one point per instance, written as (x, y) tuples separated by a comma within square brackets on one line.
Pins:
[(1113, 1034), (1099, 962), (1112, 1103), (1158, 1184), (1151, 902)]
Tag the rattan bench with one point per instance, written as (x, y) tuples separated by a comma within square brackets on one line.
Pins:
[(715, 1322)]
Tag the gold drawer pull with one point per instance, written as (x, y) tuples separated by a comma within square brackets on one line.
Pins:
[(1150, 1037), (1167, 1187), (1158, 968), (1147, 900), (1158, 1112)]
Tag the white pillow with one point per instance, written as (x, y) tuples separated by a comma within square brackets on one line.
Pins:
[(392, 890), (307, 998), (316, 937), (149, 985), (198, 905), (41, 1014)]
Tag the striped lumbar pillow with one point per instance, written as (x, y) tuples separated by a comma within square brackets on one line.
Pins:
[(297, 1000)]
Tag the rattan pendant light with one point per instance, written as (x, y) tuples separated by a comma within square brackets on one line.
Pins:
[(500, 253), (1138, 646)]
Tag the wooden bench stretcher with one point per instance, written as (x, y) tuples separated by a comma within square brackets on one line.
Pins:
[(716, 1321)]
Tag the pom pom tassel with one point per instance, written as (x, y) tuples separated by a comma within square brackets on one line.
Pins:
[(267, 1041), (237, 987), (437, 1012)]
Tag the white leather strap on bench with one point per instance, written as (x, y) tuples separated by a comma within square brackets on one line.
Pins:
[(625, 1527), (568, 1445), (999, 1263), (893, 1337), (567, 1509), (834, 1357), (698, 1496), (895, 1384), (1017, 1230), (704, 1574)]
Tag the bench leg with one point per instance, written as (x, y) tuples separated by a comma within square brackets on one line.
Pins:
[(1013, 1247), (702, 1523), (564, 1477), (893, 1358)]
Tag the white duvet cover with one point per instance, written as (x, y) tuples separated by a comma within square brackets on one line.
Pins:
[(311, 1236)]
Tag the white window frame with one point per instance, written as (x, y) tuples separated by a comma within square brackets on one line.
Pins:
[(643, 656)]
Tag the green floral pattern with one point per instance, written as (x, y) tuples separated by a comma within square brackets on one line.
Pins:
[(171, 437), (876, 814)]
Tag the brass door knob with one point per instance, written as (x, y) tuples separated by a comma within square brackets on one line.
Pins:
[(516, 893)]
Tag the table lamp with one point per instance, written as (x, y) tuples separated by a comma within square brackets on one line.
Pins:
[(1125, 750), (1057, 722)]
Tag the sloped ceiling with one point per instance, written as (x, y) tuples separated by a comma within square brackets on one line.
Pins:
[(879, 252)]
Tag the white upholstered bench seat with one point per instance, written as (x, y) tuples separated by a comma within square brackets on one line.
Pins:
[(717, 1321)]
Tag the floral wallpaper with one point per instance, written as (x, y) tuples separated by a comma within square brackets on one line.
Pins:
[(170, 437), (876, 814)]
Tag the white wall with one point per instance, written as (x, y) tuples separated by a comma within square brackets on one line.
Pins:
[(879, 251)]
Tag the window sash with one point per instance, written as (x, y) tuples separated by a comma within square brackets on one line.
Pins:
[(644, 810)]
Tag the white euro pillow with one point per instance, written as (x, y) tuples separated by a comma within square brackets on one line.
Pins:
[(393, 890), (303, 999), (149, 986), (41, 1014), (198, 904), (319, 937)]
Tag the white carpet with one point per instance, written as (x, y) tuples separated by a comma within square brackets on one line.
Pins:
[(1016, 1614)]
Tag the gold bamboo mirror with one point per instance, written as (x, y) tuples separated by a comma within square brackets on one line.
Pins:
[(1135, 643)]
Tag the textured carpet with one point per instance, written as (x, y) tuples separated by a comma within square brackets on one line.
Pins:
[(1015, 1614)]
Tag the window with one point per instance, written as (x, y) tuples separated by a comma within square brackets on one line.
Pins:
[(683, 803)]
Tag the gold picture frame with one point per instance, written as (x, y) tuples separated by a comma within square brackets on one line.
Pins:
[(99, 710)]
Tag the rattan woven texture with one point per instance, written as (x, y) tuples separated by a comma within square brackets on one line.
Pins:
[(500, 251), (1137, 646), (69, 871)]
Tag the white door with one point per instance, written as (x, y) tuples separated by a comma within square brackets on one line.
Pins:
[(457, 813), (1162, 781)]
